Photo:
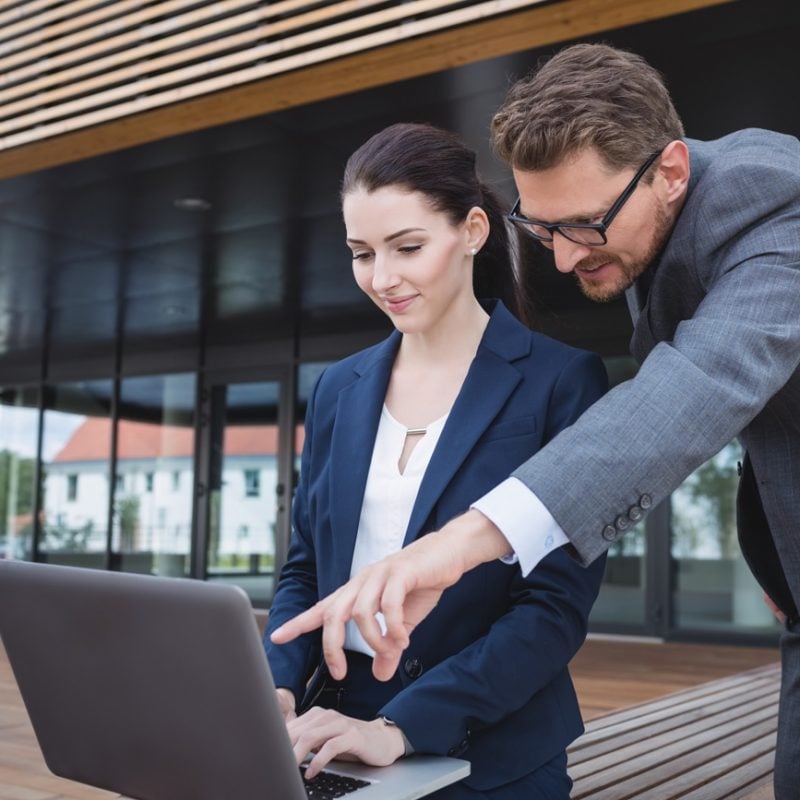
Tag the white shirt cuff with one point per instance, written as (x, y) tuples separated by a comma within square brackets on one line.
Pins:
[(524, 520)]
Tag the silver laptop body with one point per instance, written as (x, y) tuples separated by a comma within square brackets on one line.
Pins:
[(159, 689)]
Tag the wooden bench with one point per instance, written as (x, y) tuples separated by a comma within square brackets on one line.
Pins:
[(713, 741)]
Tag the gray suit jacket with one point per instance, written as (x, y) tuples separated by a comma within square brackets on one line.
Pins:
[(717, 334)]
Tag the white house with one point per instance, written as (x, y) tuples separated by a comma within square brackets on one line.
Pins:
[(154, 491)]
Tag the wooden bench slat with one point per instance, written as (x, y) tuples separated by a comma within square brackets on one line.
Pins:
[(649, 768), (689, 699), (679, 713), (701, 731), (760, 789), (722, 789), (751, 678), (706, 768), (670, 726)]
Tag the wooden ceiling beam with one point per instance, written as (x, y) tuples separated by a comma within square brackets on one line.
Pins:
[(536, 27)]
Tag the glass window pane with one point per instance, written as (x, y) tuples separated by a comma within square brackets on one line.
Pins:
[(153, 501), (243, 487), (19, 432), (714, 587), (76, 448), (621, 600)]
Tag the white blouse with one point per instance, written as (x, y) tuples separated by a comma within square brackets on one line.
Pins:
[(389, 497)]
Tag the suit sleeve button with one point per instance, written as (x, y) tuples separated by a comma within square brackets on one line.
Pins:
[(635, 513), (622, 523), (645, 501), (609, 533)]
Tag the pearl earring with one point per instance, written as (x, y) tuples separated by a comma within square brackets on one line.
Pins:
[(474, 251)]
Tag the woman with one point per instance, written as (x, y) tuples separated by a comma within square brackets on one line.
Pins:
[(405, 435)]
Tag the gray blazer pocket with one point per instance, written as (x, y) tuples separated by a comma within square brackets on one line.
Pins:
[(509, 428)]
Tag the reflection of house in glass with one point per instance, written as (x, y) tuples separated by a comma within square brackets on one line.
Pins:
[(154, 485)]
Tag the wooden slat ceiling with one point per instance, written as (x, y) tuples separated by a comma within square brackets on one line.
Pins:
[(69, 65)]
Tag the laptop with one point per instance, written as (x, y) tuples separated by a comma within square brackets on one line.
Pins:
[(159, 689)]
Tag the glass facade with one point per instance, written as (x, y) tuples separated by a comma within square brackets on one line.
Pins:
[(19, 435), (713, 588), (76, 454), (622, 601), (243, 488), (154, 474), (189, 475)]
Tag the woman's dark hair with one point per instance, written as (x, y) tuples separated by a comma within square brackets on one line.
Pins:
[(437, 164)]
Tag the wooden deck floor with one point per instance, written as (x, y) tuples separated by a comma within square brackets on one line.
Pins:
[(608, 674)]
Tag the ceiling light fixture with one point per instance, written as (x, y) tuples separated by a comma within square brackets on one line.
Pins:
[(191, 204)]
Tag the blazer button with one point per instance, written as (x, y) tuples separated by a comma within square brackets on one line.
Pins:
[(645, 501), (609, 533), (622, 523), (413, 668), (635, 513)]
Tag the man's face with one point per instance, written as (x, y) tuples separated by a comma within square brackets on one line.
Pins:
[(582, 189)]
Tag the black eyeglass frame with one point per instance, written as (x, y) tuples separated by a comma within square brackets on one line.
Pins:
[(601, 227)]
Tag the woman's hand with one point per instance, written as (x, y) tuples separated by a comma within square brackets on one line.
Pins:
[(333, 735), (286, 702)]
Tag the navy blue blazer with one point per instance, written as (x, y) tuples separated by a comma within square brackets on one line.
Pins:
[(489, 680)]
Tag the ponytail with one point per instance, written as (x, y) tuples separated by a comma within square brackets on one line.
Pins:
[(495, 272)]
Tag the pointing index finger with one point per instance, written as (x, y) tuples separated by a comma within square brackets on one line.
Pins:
[(303, 623)]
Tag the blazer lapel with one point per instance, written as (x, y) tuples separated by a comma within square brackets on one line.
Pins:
[(358, 414), (489, 383)]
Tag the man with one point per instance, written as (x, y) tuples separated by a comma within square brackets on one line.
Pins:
[(704, 238)]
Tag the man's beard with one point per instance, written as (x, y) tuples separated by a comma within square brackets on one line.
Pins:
[(604, 292)]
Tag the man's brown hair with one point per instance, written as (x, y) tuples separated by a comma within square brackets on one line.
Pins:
[(587, 95)]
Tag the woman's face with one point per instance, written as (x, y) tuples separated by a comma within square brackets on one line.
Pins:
[(412, 262)]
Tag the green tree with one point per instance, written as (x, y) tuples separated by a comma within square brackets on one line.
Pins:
[(712, 488), (16, 487), (128, 511)]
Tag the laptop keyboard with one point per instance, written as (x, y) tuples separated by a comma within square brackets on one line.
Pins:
[(329, 785)]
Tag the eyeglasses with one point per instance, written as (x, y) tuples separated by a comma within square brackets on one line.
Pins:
[(591, 233)]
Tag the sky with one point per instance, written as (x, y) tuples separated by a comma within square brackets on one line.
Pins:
[(18, 430)]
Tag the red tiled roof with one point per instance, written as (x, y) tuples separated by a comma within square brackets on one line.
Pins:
[(92, 441)]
